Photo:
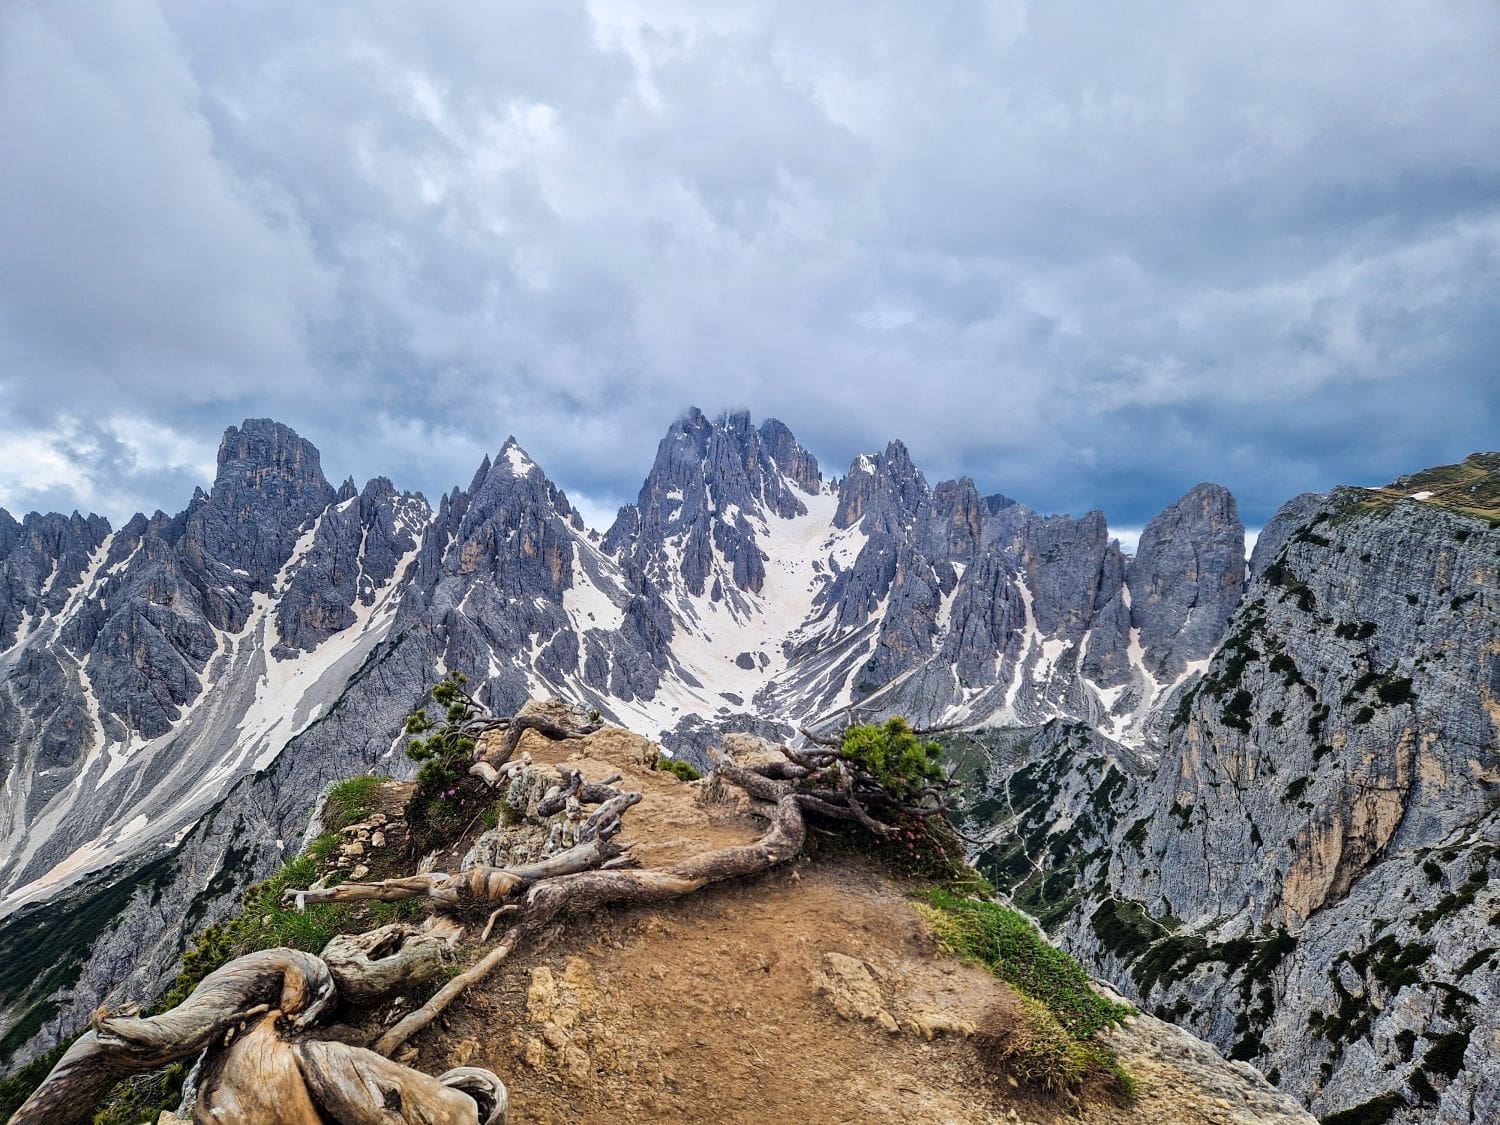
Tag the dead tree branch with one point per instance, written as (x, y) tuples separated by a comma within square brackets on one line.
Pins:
[(248, 1015)]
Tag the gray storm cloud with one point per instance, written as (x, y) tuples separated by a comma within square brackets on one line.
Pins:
[(1087, 254)]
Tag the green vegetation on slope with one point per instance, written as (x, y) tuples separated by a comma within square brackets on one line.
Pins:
[(679, 769), (1470, 488), (1061, 1012), (448, 799)]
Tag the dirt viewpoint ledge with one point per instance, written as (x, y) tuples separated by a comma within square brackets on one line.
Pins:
[(812, 992)]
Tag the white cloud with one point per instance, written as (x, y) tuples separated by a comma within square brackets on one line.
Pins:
[(1089, 256), (115, 464)]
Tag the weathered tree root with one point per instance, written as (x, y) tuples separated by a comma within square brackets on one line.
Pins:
[(514, 729), (416, 1020), (251, 1073), (477, 884), (355, 1086), (297, 985), (260, 1078), (550, 899), (387, 961), (574, 786)]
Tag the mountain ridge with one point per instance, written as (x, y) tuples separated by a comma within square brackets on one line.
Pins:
[(153, 671), (741, 591)]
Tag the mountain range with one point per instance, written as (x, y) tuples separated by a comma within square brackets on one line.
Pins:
[(180, 690)]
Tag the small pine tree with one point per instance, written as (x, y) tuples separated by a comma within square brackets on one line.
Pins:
[(446, 797)]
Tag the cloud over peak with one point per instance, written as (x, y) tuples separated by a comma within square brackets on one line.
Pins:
[(1088, 257)]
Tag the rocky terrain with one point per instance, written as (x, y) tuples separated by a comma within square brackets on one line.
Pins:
[(668, 1014), (1315, 832), (817, 990), (179, 690), (1161, 751)]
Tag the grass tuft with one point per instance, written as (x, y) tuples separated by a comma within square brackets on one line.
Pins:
[(1011, 948), (351, 801)]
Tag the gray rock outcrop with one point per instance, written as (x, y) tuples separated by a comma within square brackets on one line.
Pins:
[(1300, 872)]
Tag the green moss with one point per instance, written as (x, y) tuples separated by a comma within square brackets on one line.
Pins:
[(1010, 947), (1060, 1011)]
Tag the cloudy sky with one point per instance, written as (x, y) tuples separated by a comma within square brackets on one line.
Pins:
[(1088, 254)]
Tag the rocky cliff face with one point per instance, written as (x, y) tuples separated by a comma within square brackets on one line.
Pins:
[(1313, 835), (151, 670), (178, 692)]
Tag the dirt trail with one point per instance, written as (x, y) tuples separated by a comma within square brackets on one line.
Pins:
[(669, 824), (811, 994)]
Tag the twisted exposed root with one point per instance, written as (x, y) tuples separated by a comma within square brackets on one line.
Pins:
[(387, 961), (515, 728), (550, 899), (297, 986), (477, 884), (247, 1015)]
